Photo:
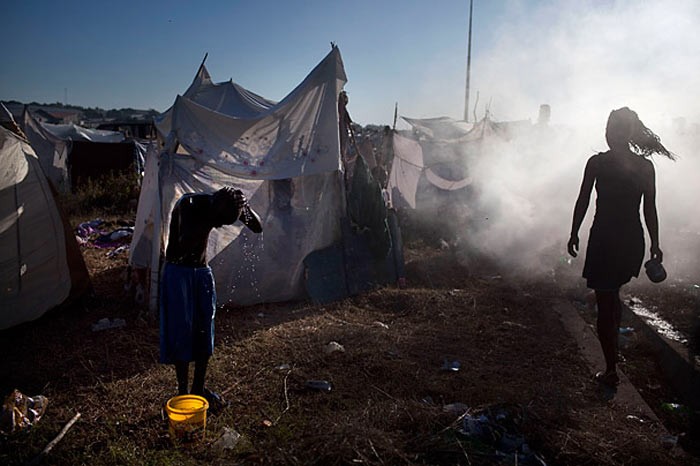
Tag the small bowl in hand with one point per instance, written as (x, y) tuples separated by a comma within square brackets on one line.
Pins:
[(655, 270)]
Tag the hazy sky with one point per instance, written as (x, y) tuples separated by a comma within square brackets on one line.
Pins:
[(582, 57)]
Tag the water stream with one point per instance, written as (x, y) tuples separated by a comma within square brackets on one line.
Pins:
[(658, 323)]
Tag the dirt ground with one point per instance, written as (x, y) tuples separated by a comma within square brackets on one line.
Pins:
[(391, 402)]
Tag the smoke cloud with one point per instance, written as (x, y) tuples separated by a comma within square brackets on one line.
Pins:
[(584, 59)]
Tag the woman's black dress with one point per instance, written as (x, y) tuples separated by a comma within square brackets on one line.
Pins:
[(616, 243)]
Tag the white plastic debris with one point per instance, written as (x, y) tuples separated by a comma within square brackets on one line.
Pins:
[(228, 440), (105, 323), (332, 347)]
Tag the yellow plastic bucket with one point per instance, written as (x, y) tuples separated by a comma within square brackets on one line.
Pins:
[(187, 418)]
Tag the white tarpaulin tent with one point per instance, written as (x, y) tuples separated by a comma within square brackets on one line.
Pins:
[(51, 151), (53, 145), (69, 154), (437, 154), (284, 156), (433, 155), (228, 98), (40, 264)]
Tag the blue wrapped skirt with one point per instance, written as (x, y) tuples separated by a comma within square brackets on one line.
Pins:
[(187, 310)]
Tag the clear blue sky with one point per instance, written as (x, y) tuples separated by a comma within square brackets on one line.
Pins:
[(141, 54)]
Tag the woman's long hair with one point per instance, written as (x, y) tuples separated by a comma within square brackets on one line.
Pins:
[(642, 140)]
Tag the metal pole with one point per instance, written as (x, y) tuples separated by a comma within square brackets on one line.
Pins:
[(469, 62)]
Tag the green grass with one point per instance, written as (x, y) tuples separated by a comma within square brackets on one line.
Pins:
[(116, 193)]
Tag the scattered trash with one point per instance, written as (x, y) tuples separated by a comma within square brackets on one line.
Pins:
[(117, 251), (332, 347), (105, 323), (455, 408), (267, 423), (90, 234), (451, 366), (428, 400), (283, 367), (669, 441), (90, 228), (115, 238), (228, 440), (632, 417), (675, 408), (625, 330), (20, 411), (694, 290), (261, 315), (499, 427), (319, 385), (380, 324)]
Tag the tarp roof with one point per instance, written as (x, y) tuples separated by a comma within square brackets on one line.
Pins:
[(73, 132), (297, 136)]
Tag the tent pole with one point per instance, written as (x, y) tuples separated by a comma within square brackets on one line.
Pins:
[(396, 113), (469, 62)]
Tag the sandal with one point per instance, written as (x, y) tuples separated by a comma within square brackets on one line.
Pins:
[(607, 378), (216, 401)]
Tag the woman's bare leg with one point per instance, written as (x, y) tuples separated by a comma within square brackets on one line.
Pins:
[(181, 370), (609, 312), (200, 371)]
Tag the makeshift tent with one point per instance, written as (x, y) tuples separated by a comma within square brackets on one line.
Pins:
[(70, 154), (286, 158), (433, 160), (40, 263)]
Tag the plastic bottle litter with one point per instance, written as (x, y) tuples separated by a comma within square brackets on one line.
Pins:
[(283, 367), (319, 385), (104, 324), (451, 366), (332, 347)]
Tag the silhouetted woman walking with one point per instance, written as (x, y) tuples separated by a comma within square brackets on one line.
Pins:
[(622, 176)]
